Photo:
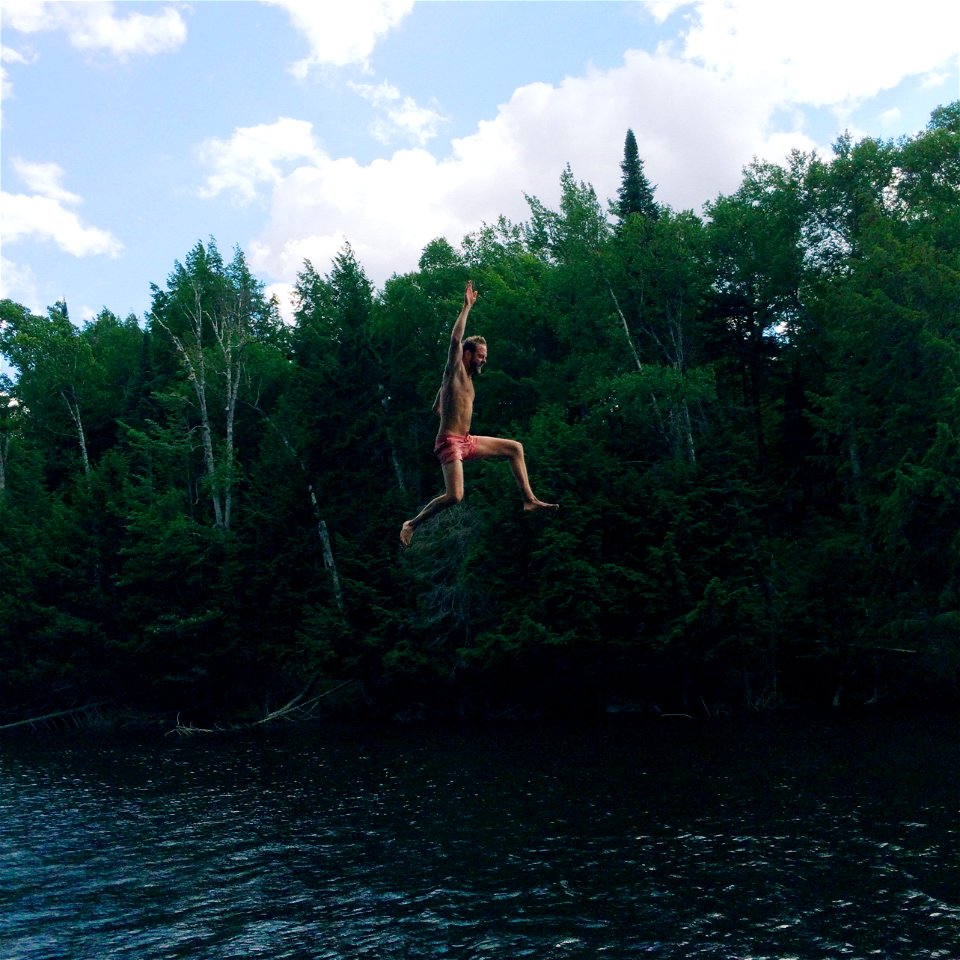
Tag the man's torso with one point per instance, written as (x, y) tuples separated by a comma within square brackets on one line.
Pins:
[(456, 402)]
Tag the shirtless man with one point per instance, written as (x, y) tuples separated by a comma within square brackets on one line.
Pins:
[(454, 406)]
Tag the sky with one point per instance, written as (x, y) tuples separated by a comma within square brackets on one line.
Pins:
[(131, 131)]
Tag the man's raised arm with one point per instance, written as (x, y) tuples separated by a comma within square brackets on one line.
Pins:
[(456, 335)]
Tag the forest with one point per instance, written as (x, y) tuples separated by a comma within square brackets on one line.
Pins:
[(750, 418)]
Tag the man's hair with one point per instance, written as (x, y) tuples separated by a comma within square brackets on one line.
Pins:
[(470, 344)]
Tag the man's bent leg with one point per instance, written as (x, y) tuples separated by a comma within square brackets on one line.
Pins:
[(512, 452), (452, 495)]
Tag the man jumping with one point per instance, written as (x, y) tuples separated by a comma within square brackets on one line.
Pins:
[(454, 406)]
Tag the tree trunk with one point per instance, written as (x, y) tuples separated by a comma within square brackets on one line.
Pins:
[(328, 560), (209, 459), (626, 329), (854, 454), (73, 407), (688, 433), (231, 339)]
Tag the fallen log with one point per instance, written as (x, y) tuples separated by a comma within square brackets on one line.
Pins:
[(296, 710), (47, 717)]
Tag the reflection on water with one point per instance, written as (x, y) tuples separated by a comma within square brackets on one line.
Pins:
[(670, 839)]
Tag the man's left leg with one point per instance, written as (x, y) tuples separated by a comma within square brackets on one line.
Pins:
[(452, 495), (512, 451)]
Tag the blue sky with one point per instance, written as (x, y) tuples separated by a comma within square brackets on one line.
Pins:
[(132, 130)]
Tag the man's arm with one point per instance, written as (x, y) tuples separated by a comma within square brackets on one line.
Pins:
[(456, 335)]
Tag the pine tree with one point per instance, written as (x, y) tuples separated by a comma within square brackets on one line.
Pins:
[(635, 194)]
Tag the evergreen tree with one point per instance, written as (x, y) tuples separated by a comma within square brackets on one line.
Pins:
[(635, 194), (752, 422)]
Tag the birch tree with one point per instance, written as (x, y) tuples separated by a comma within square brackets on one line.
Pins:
[(53, 366), (210, 314), (657, 286), (9, 410)]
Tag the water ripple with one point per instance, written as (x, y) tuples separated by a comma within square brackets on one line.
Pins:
[(617, 842)]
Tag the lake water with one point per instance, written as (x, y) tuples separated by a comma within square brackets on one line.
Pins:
[(661, 839)]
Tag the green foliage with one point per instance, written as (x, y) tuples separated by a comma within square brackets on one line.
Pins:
[(751, 421), (635, 196)]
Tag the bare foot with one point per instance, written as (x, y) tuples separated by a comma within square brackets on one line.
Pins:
[(539, 505), (406, 533)]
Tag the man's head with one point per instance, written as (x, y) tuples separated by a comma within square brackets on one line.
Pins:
[(475, 354)]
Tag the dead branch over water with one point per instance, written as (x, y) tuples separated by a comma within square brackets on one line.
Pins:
[(298, 710)]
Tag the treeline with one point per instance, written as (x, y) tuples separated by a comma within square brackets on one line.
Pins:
[(751, 420)]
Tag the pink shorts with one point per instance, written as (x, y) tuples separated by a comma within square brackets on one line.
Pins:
[(455, 446)]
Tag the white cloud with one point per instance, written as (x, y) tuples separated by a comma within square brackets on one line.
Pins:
[(822, 52), (43, 218), (9, 55), (44, 178), (18, 283), (387, 210), (340, 34), (400, 116), (94, 26), (890, 118), (44, 215), (689, 123), (284, 294), (737, 85), (254, 156), (934, 79), (660, 10)]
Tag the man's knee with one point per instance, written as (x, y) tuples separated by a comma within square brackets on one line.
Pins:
[(453, 496)]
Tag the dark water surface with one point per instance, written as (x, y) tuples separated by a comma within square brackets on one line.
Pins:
[(674, 839)]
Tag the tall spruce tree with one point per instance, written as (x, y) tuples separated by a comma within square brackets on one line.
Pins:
[(635, 194)]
